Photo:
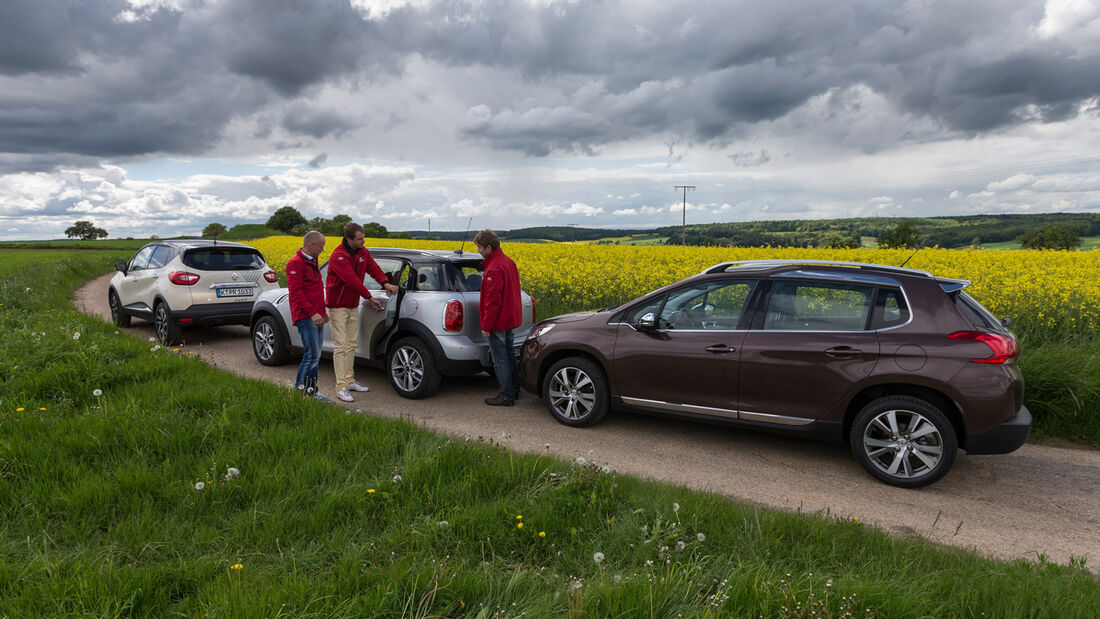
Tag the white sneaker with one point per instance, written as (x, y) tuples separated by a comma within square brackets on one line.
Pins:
[(355, 386), (344, 395)]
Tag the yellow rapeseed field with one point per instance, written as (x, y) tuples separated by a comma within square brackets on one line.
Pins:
[(1053, 292)]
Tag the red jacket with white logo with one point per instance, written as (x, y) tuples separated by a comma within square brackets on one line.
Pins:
[(501, 308), (344, 281), (307, 291)]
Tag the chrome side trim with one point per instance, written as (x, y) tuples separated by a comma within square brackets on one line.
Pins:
[(682, 408), (782, 420)]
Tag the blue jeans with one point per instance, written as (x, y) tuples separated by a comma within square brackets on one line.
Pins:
[(505, 364), (311, 354)]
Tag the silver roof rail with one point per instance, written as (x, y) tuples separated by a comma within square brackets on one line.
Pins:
[(770, 263)]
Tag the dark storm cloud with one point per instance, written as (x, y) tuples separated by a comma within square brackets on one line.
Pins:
[(100, 79)]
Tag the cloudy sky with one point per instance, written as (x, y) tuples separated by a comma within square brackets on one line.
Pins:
[(161, 116)]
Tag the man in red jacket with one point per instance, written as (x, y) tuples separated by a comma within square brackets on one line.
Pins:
[(307, 308), (501, 311), (347, 266)]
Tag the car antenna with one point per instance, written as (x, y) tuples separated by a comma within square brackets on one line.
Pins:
[(459, 250), (919, 247)]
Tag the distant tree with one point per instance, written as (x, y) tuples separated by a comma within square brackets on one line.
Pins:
[(835, 239), (287, 219), (905, 234), (1050, 236), (334, 226), (214, 229), (402, 235), (375, 230), (85, 231)]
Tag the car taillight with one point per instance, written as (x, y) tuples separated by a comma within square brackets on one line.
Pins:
[(182, 278), (534, 315), (271, 276), (452, 316), (1004, 347)]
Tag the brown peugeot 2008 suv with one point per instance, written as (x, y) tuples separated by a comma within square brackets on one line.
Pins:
[(903, 365)]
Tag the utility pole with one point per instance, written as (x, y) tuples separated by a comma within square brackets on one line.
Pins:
[(572, 233), (683, 221)]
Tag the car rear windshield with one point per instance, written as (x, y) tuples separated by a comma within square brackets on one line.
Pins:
[(224, 259), (975, 312)]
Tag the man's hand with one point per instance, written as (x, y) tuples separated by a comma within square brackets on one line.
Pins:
[(390, 288), (318, 320), (484, 333), (375, 303)]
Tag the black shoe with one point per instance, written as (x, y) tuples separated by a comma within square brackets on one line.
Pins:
[(498, 401)]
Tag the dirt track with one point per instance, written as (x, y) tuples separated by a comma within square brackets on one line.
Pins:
[(1038, 501)]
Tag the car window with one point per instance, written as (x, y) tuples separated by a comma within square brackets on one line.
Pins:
[(161, 255), (141, 259), (391, 267), (890, 309), (224, 259), (429, 277), (805, 306), (711, 305), (975, 312), (469, 277), (633, 315)]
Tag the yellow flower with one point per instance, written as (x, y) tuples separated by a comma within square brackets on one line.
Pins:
[(370, 490), (19, 410), (542, 533), (519, 525), (237, 566), (519, 517)]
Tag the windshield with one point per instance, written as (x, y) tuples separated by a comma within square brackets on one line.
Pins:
[(224, 259)]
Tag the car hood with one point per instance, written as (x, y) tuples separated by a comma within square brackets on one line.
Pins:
[(574, 317)]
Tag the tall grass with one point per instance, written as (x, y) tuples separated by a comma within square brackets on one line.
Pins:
[(306, 509)]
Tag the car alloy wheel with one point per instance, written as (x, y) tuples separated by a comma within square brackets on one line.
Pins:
[(120, 319), (904, 441), (168, 330), (412, 369), (575, 392), (268, 342)]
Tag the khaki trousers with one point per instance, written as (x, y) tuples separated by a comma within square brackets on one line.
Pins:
[(345, 336)]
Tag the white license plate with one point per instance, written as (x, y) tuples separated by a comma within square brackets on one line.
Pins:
[(234, 292)]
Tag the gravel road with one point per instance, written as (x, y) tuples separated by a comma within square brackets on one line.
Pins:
[(1038, 501)]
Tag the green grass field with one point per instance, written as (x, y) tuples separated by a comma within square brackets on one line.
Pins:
[(306, 509)]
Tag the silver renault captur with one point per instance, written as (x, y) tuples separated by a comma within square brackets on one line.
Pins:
[(428, 330)]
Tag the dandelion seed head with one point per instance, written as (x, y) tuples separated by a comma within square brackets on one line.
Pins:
[(97, 392), (76, 336), (597, 557), (581, 461), (675, 507), (199, 485), (701, 537)]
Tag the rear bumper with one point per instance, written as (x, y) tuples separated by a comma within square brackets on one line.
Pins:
[(1003, 438), (237, 313)]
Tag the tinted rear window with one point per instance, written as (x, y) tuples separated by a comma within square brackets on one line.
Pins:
[(975, 313), (224, 259)]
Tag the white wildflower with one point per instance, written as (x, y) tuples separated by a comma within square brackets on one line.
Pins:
[(76, 336), (199, 486), (581, 461), (97, 392), (231, 473), (605, 469), (675, 507), (680, 546), (701, 537), (597, 557), (396, 479), (152, 339)]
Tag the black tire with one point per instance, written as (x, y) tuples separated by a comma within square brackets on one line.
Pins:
[(120, 319), (269, 343), (412, 369), (575, 392), (904, 441), (169, 331)]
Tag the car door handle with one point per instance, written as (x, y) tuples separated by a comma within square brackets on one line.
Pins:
[(843, 352), (720, 349)]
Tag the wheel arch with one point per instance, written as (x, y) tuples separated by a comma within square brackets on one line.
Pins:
[(937, 398), (564, 353)]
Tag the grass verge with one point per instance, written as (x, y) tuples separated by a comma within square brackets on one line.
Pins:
[(304, 509)]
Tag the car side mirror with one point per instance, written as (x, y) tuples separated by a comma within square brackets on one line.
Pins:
[(1005, 322), (648, 322), (120, 266)]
